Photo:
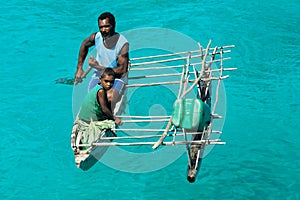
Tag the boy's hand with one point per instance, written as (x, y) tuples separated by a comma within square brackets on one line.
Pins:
[(118, 121)]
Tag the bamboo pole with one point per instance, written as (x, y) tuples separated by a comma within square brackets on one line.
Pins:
[(186, 79), (181, 81), (138, 130), (177, 74), (218, 84), (219, 60), (154, 76), (206, 142), (174, 136), (198, 87), (224, 69), (208, 130), (163, 61), (157, 61), (135, 116), (201, 50), (216, 116), (175, 82), (164, 55), (197, 160), (207, 73), (155, 68), (187, 73), (148, 136), (187, 147), (145, 120), (199, 78), (215, 78), (132, 137), (173, 66), (154, 84), (161, 130), (178, 53), (159, 142)]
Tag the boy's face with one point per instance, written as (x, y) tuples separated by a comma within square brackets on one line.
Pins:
[(107, 81)]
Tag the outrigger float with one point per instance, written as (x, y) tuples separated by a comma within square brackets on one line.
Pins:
[(196, 76)]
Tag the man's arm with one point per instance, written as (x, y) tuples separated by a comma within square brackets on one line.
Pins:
[(122, 59), (83, 51)]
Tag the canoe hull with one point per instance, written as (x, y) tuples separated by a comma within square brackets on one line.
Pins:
[(87, 156)]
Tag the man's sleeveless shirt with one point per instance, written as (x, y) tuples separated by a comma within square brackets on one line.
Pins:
[(108, 57)]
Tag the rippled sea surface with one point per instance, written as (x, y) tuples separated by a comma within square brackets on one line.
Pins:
[(261, 160)]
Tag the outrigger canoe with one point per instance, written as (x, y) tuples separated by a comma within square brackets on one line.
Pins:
[(197, 77)]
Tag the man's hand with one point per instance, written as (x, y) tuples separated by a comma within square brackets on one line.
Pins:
[(93, 62), (78, 75)]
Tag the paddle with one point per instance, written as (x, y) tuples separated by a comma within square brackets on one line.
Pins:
[(72, 81)]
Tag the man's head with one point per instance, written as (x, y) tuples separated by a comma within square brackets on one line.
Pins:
[(107, 78), (106, 24)]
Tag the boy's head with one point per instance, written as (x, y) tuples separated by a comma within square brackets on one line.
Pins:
[(107, 78)]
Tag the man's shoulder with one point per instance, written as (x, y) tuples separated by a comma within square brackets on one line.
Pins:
[(98, 35), (122, 39)]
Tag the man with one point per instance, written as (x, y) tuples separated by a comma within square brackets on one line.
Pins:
[(112, 52)]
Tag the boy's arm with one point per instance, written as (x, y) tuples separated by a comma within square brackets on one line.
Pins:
[(102, 99)]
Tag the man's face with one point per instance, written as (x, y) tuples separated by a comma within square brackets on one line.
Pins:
[(105, 28)]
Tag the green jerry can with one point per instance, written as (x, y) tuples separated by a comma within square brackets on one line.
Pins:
[(187, 113)]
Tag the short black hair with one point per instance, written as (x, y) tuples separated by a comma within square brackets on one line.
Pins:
[(108, 72), (110, 16)]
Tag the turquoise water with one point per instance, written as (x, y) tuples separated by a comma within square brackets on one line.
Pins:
[(261, 160)]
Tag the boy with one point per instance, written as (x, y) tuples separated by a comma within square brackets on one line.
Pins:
[(94, 120), (97, 105)]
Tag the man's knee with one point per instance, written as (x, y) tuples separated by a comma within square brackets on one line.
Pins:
[(113, 95)]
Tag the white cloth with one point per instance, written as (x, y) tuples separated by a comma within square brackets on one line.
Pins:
[(108, 57)]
